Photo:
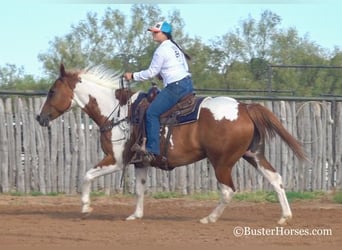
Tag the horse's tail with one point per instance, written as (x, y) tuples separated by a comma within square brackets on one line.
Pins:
[(268, 125)]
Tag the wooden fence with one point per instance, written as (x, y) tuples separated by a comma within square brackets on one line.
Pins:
[(55, 159)]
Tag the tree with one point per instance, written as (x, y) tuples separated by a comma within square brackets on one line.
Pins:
[(203, 68), (9, 74), (241, 58), (12, 77), (111, 40), (242, 54), (289, 49), (257, 35), (335, 76)]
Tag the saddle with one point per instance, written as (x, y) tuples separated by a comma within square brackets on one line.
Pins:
[(184, 112)]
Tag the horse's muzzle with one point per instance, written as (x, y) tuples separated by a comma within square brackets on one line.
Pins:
[(43, 120)]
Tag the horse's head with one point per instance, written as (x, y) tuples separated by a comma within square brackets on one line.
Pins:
[(59, 98)]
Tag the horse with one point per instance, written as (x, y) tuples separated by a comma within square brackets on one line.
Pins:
[(225, 131)]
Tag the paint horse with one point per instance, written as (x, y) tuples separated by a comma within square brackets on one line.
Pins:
[(225, 131)]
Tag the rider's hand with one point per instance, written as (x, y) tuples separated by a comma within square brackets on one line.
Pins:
[(128, 76)]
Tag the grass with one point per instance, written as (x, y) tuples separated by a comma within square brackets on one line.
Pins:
[(97, 194), (270, 196), (292, 196), (258, 196), (34, 193), (337, 197), (195, 196), (16, 194), (166, 195), (205, 196)]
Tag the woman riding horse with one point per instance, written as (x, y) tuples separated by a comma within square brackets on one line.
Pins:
[(168, 62)]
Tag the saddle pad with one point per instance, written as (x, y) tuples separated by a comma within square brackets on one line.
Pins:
[(193, 116)]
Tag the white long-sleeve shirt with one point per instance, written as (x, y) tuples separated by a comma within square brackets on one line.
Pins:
[(168, 61)]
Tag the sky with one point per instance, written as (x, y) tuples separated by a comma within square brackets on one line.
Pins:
[(28, 27)]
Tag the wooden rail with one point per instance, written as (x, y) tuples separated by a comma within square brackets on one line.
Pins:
[(55, 159)]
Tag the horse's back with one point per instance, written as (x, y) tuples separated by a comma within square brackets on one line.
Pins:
[(223, 131), (227, 113), (225, 126)]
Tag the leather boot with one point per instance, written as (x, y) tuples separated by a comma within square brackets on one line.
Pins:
[(154, 160)]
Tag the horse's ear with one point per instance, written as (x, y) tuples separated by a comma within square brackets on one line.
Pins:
[(62, 70)]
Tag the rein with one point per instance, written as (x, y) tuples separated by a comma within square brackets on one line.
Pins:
[(106, 127), (109, 126)]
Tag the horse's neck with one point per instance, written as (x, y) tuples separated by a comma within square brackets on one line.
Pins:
[(97, 101)]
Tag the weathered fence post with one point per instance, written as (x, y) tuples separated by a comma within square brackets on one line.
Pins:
[(55, 158)]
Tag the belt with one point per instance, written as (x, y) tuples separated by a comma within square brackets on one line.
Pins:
[(177, 82)]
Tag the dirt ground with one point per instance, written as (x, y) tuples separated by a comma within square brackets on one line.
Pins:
[(46, 222)]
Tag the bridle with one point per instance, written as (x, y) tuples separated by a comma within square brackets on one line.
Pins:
[(110, 124)]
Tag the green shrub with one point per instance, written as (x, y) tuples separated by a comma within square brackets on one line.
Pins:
[(337, 197)]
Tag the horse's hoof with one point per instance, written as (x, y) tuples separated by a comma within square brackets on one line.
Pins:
[(284, 220), (86, 212), (85, 216), (208, 219), (133, 217), (205, 220)]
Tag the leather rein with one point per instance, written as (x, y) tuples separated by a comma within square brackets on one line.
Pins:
[(112, 123)]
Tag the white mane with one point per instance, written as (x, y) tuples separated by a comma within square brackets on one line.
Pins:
[(102, 75)]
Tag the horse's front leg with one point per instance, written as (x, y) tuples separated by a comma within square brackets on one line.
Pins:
[(140, 183), (91, 174)]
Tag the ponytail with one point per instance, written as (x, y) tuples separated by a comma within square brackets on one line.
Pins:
[(169, 36)]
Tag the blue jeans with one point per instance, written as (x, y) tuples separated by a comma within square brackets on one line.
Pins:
[(167, 98)]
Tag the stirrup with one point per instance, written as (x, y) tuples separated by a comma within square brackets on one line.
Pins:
[(137, 148), (148, 158), (153, 160), (138, 157), (140, 149)]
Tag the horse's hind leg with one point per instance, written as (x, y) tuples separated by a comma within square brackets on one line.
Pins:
[(226, 188), (226, 195), (140, 183), (259, 161)]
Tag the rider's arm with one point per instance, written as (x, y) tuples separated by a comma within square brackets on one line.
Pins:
[(152, 71)]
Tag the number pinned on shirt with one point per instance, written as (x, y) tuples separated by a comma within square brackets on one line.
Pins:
[(177, 54)]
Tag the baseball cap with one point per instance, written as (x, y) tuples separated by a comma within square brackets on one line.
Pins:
[(161, 26)]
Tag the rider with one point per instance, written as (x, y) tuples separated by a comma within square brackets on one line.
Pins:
[(170, 64)]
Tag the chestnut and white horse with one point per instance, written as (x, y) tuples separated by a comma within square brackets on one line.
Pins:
[(225, 131)]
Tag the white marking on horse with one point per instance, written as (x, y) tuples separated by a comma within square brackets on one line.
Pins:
[(222, 108), (276, 181), (171, 140), (226, 196), (100, 93), (88, 178)]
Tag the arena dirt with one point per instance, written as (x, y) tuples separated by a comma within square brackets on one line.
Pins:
[(46, 222)]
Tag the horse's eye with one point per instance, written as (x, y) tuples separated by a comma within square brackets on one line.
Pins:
[(51, 92)]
